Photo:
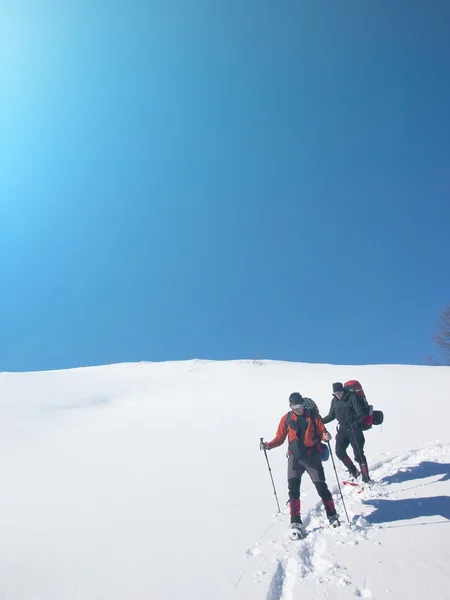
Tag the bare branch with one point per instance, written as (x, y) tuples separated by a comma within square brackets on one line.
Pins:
[(442, 338)]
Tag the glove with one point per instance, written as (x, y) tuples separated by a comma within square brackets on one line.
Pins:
[(264, 446)]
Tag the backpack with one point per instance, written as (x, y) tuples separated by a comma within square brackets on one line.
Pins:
[(372, 417)]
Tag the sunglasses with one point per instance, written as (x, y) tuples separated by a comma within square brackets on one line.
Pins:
[(296, 406)]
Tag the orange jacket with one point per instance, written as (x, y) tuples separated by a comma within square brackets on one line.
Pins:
[(313, 434)]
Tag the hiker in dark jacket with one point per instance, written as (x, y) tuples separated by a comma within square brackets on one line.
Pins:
[(346, 408)]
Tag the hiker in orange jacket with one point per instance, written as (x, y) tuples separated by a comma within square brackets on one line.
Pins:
[(305, 431)]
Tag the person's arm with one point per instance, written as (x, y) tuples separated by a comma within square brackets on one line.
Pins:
[(324, 435), (331, 415), (280, 436)]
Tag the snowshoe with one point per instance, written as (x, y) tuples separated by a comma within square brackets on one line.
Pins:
[(350, 482), (358, 487), (297, 532), (353, 474), (334, 521)]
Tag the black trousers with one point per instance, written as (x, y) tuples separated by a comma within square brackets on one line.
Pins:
[(312, 464), (351, 436)]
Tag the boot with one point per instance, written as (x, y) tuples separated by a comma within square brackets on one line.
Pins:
[(354, 473), (294, 506), (297, 532), (334, 520), (352, 470), (365, 472), (330, 509)]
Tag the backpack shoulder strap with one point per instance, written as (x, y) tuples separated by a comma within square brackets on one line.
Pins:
[(313, 414), (288, 419)]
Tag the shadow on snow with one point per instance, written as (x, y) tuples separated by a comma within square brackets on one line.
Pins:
[(407, 509), (412, 508), (421, 471)]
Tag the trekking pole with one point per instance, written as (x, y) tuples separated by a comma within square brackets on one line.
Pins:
[(270, 473), (337, 479)]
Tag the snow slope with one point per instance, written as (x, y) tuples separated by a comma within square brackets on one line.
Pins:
[(140, 481)]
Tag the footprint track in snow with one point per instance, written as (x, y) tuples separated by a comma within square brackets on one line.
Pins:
[(277, 584)]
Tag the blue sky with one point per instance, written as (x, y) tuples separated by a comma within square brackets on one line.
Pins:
[(223, 179)]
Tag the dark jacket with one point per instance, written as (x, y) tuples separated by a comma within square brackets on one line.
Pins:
[(347, 410)]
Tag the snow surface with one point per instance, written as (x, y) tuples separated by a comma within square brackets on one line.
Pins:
[(145, 481)]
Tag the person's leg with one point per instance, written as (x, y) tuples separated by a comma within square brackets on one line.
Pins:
[(314, 468), (294, 499), (295, 472), (358, 441), (342, 443)]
